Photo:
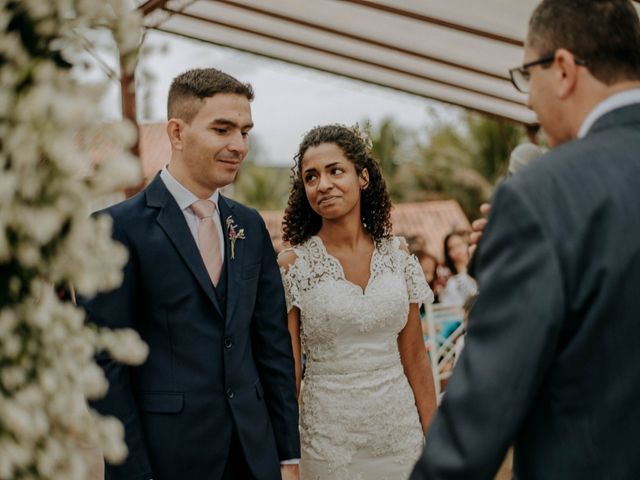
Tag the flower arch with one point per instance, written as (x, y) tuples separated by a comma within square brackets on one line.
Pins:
[(48, 240)]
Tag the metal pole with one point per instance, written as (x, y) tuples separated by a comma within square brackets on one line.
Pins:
[(128, 99)]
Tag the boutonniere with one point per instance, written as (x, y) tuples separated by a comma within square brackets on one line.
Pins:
[(234, 234)]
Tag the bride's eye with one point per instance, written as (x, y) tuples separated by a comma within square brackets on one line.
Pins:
[(337, 170)]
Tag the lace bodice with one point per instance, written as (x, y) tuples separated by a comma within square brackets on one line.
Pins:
[(334, 310), (356, 398)]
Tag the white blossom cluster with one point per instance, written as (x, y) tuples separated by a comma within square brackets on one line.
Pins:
[(48, 238)]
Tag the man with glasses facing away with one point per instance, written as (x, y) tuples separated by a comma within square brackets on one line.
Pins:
[(552, 356)]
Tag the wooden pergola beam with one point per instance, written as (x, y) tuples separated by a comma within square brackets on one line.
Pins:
[(150, 5)]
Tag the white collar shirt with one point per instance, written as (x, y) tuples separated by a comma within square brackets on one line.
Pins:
[(185, 198)]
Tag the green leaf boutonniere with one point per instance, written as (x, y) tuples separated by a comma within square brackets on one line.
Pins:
[(234, 234)]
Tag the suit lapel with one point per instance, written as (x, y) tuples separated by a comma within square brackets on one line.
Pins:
[(172, 221), (233, 264)]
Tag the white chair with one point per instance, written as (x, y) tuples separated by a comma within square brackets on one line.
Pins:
[(443, 327)]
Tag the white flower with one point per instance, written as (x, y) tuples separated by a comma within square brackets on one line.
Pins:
[(109, 429), (40, 224), (13, 456), (17, 419), (47, 237), (48, 381), (94, 384), (8, 321), (125, 346), (8, 186), (11, 346), (28, 255)]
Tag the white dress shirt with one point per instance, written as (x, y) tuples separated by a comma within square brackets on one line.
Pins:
[(185, 198), (618, 100)]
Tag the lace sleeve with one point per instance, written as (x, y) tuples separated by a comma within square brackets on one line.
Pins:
[(417, 286), (290, 281)]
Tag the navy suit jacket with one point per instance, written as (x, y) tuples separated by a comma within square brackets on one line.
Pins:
[(552, 357), (210, 368)]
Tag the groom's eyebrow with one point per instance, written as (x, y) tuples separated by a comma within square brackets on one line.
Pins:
[(230, 123)]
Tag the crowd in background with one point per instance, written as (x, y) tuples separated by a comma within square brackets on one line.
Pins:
[(449, 280)]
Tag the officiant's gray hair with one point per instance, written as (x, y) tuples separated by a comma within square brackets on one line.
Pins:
[(605, 34)]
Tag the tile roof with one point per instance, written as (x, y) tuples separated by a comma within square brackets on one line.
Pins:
[(155, 148)]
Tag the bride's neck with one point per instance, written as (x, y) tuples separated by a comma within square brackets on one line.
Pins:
[(343, 234)]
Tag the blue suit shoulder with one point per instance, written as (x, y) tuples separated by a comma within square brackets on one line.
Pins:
[(127, 212), (555, 163), (589, 162), (244, 212)]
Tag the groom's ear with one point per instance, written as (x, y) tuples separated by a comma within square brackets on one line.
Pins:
[(175, 127)]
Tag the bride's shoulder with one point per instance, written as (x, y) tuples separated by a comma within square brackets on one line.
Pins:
[(286, 258), (395, 243), (289, 256)]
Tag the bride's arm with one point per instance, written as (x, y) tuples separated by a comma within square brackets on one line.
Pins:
[(294, 331), (416, 366), (285, 260)]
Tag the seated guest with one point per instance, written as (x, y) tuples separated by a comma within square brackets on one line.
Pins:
[(429, 265), (456, 256)]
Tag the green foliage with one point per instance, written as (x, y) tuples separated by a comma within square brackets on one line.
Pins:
[(494, 140), (462, 162), (263, 187), (387, 146)]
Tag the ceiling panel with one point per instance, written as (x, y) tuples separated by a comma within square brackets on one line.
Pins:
[(458, 51)]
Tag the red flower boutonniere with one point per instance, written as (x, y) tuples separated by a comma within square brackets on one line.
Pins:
[(234, 234)]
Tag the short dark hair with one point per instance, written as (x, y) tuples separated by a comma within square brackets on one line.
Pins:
[(189, 89), (603, 33), (301, 222)]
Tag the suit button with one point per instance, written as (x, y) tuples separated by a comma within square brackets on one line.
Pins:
[(230, 393), (228, 342)]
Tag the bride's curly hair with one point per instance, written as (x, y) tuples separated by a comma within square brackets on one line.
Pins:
[(301, 222)]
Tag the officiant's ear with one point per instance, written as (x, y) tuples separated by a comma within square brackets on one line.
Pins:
[(364, 179), (175, 130)]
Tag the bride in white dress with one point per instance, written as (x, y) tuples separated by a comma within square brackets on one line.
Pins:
[(353, 294)]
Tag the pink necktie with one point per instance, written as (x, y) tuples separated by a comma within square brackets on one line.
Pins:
[(208, 242)]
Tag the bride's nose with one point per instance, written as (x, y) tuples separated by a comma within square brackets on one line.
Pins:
[(325, 183)]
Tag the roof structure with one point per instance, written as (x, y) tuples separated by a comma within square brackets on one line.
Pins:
[(431, 221), (458, 52), (154, 146)]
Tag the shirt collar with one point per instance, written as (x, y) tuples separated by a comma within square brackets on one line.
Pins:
[(611, 103), (184, 197)]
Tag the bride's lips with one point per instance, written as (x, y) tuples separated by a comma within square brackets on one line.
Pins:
[(325, 200)]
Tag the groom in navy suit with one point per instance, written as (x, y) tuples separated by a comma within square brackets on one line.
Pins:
[(216, 397)]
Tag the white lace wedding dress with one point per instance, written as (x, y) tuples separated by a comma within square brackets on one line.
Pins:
[(358, 417)]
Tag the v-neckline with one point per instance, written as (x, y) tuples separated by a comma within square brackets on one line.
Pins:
[(341, 268)]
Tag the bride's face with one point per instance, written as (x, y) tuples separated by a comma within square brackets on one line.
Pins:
[(331, 182)]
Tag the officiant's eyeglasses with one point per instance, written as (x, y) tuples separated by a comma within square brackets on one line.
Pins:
[(520, 75)]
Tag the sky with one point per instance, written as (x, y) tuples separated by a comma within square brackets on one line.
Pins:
[(289, 100)]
